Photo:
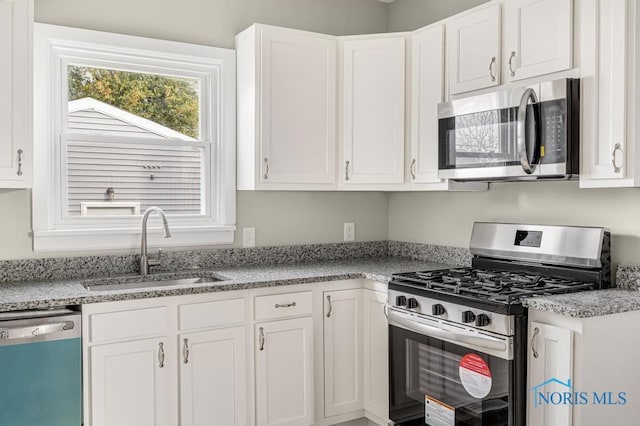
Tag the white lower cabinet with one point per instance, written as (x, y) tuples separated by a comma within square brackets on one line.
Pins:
[(213, 378), (343, 354), (376, 355), (129, 383), (284, 372), (315, 354)]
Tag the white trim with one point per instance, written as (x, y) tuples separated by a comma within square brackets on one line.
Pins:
[(133, 208), (90, 104), (57, 47)]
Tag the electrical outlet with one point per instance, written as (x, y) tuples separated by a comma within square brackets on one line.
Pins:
[(349, 231), (248, 237)]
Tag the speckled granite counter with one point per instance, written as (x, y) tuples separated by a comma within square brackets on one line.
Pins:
[(589, 303), (44, 294)]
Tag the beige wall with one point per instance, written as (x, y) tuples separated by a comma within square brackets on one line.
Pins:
[(279, 218), (408, 15), (447, 218)]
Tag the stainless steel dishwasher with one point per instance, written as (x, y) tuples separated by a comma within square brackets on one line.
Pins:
[(40, 368)]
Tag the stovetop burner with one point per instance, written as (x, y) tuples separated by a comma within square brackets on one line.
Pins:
[(504, 287)]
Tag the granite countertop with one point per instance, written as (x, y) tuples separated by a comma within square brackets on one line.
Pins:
[(46, 294), (588, 304)]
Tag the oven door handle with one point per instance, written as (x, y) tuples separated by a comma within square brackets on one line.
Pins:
[(521, 133), (487, 344)]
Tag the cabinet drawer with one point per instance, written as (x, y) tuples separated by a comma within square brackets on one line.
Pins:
[(283, 305), (212, 314), (126, 325)]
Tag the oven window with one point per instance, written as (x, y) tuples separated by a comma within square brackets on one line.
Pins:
[(425, 366), (482, 139)]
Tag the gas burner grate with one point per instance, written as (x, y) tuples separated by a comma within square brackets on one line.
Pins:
[(504, 287)]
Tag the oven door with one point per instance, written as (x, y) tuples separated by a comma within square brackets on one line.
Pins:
[(442, 376)]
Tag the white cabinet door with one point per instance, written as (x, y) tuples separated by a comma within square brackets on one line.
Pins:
[(605, 91), (376, 354), (343, 352), (474, 50), (427, 82), (550, 365), (373, 110), (129, 383), (16, 17), (284, 372), (539, 37), (286, 108), (213, 378)]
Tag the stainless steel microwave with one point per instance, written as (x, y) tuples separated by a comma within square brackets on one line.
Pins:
[(519, 133)]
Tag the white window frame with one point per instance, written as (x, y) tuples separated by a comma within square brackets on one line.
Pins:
[(54, 48)]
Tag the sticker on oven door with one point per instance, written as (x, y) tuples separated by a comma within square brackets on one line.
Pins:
[(438, 413), (475, 375)]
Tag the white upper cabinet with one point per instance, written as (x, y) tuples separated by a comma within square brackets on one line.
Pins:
[(473, 41), (286, 109), (427, 90), (538, 37), (16, 22), (609, 86), (373, 99)]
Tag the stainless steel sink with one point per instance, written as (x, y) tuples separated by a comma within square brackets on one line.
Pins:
[(134, 282)]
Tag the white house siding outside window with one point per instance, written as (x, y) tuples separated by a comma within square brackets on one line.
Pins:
[(123, 123)]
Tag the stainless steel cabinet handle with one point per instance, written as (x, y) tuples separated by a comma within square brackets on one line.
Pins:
[(330, 308), (185, 351), (346, 170), (533, 342), (266, 168), (616, 169), (521, 131), (20, 152), (161, 354), (491, 64), (511, 58), (286, 305), (412, 169), (261, 331)]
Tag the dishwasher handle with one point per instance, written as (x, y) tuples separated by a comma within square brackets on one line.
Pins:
[(39, 329)]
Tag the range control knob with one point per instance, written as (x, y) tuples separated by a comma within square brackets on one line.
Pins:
[(401, 301), (468, 316), (412, 303), (438, 309), (483, 320)]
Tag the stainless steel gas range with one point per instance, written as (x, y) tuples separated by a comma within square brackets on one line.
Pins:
[(457, 337)]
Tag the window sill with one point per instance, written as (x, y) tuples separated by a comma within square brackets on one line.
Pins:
[(69, 240)]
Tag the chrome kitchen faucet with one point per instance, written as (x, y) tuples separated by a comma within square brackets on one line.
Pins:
[(145, 262)]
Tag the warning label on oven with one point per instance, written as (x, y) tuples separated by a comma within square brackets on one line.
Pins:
[(437, 413), (475, 375)]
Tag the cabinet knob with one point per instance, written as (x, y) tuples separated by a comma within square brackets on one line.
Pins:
[(261, 343), (20, 152), (533, 342), (491, 73), (185, 351), (511, 58), (616, 169)]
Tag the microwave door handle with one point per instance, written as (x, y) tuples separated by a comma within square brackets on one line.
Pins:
[(521, 131), (484, 343)]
